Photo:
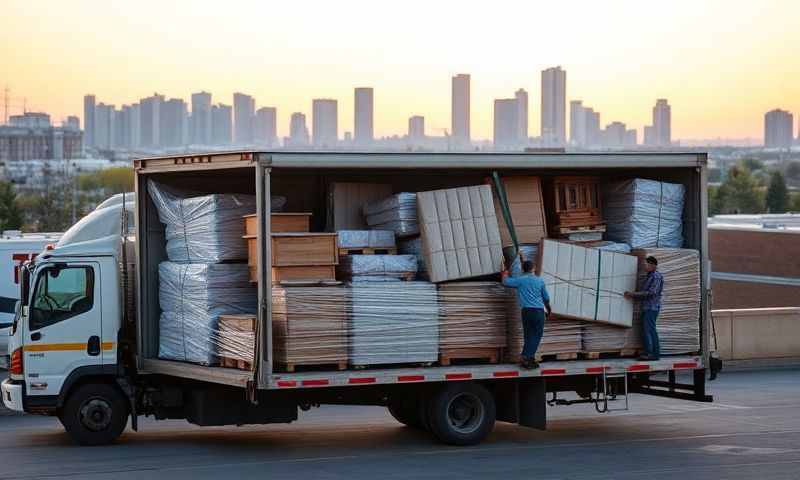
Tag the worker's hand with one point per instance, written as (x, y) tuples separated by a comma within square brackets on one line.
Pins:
[(503, 267), (628, 295), (521, 256)]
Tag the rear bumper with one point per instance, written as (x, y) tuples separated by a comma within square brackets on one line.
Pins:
[(12, 395)]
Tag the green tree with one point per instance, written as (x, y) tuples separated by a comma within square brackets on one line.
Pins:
[(752, 164), (777, 194), (793, 172), (10, 213), (714, 203), (795, 207), (98, 186), (740, 193)]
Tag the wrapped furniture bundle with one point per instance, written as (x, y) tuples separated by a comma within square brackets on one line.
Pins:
[(644, 213), (202, 229), (377, 268), (192, 297), (397, 213), (394, 323), (374, 239)]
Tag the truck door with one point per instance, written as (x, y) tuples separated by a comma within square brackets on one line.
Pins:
[(63, 328)]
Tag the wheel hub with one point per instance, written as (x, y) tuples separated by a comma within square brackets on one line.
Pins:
[(96, 414), (465, 413)]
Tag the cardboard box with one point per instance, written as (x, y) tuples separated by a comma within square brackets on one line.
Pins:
[(460, 232), (527, 210), (346, 201), (304, 249), (588, 283)]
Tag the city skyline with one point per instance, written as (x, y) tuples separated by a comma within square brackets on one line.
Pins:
[(742, 52)]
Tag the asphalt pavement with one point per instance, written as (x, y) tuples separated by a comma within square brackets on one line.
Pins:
[(751, 431)]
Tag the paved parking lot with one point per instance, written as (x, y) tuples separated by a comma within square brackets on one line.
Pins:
[(751, 431)]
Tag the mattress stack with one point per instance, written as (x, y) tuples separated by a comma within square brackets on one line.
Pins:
[(644, 213), (397, 213), (376, 268)]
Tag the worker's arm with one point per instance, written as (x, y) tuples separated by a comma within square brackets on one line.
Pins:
[(508, 280), (546, 298), (649, 289)]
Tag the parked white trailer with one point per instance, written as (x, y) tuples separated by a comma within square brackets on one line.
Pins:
[(94, 363)]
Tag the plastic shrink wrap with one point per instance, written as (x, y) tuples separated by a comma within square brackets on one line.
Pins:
[(376, 239), (413, 246), (205, 228), (472, 321), (192, 297), (397, 213), (644, 213), (378, 268)]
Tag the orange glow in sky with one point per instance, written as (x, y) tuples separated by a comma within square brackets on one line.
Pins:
[(721, 64)]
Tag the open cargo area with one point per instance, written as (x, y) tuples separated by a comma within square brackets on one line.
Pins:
[(271, 268)]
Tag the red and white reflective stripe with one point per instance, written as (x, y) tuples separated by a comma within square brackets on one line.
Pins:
[(679, 366), (597, 369), (317, 382), (411, 378), (361, 380), (506, 374), (554, 371), (458, 376), (287, 383), (639, 367)]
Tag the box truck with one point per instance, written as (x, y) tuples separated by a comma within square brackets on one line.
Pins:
[(85, 343)]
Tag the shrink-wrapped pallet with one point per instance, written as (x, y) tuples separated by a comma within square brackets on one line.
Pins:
[(375, 239), (644, 213), (394, 323), (376, 267), (413, 246), (204, 228), (678, 323), (472, 319), (192, 297), (461, 238), (561, 335), (397, 213)]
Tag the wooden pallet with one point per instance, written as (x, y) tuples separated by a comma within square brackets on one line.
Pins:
[(549, 357), (368, 251), (293, 367), (566, 230), (235, 363), (491, 355), (394, 365), (622, 353)]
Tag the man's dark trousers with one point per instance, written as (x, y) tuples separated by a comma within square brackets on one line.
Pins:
[(652, 347), (532, 330)]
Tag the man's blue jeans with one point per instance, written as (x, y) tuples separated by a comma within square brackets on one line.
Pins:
[(532, 330), (652, 348)]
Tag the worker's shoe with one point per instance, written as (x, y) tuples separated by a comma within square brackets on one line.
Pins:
[(529, 364)]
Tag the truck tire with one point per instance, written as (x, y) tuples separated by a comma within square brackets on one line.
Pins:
[(95, 414), (406, 414), (462, 413)]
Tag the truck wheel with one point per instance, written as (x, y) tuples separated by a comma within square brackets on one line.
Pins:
[(95, 414), (462, 414), (406, 415)]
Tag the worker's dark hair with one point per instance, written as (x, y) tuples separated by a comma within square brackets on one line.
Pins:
[(527, 266), (651, 260)]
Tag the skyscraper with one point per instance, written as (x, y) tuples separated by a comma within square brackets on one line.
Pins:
[(662, 123), (506, 123), (592, 127), (364, 133), (778, 129), (630, 137), (200, 124), (88, 120), (614, 135), (298, 131), (267, 126), (522, 115), (174, 123), (104, 126), (244, 110), (416, 130), (325, 122), (221, 124), (577, 123), (554, 106), (149, 121), (460, 112)]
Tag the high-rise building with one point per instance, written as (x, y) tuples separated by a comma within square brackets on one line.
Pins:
[(416, 130), (221, 124), (200, 123), (662, 123), (174, 123), (127, 119), (593, 132), (577, 123), (364, 131), (630, 137), (649, 136), (778, 128), (88, 120), (72, 123), (244, 110), (298, 131), (614, 135), (325, 122), (506, 123), (460, 112), (149, 121), (554, 106), (267, 126), (522, 115), (104, 126)]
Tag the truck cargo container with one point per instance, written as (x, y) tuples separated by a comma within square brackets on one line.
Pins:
[(94, 363)]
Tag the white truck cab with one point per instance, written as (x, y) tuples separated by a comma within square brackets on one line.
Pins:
[(65, 331)]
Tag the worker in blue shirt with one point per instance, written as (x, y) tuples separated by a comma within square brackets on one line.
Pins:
[(650, 297), (534, 301)]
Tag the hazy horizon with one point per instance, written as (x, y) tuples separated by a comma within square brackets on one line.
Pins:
[(721, 65)]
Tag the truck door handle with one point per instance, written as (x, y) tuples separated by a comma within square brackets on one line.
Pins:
[(93, 346), (36, 336)]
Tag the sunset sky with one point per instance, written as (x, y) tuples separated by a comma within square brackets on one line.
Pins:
[(721, 64)]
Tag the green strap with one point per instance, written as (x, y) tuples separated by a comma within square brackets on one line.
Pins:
[(597, 287), (506, 210)]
